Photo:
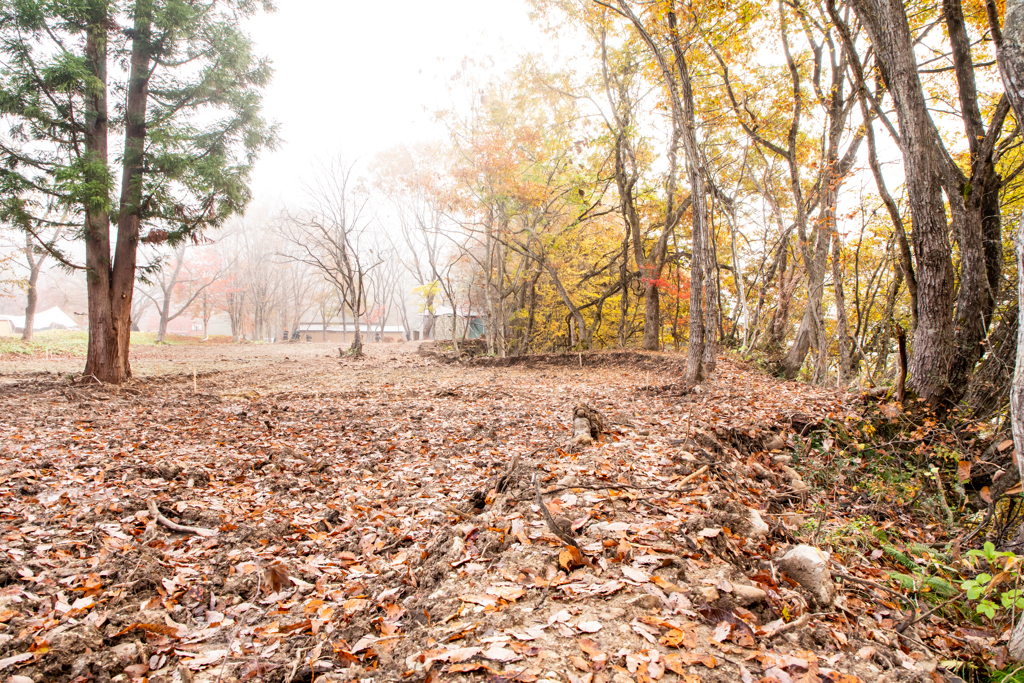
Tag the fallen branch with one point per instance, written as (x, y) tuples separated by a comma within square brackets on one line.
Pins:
[(910, 622), (317, 465), (693, 475), (795, 624), (173, 526), (452, 508), (506, 478), (910, 603), (549, 520)]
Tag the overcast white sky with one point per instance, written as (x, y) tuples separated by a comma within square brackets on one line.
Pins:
[(359, 77)]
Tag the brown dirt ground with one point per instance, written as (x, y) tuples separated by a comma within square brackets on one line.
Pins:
[(348, 546)]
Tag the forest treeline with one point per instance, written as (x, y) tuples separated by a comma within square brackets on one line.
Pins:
[(803, 182)]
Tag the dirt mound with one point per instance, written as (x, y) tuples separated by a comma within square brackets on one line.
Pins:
[(651, 361)]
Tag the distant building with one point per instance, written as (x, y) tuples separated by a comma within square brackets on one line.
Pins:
[(464, 325), (336, 331), (51, 319)]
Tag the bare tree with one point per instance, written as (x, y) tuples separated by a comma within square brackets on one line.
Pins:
[(35, 256), (330, 234), (167, 286)]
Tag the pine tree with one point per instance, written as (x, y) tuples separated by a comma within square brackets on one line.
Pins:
[(180, 81)]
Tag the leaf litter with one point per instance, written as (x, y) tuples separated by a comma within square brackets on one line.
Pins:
[(325, 518)]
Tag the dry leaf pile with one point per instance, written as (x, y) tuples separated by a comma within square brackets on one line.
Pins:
[(291, 515)]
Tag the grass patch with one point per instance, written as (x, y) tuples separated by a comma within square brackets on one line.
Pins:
[(52, 342), (149, 339), (76, 343)]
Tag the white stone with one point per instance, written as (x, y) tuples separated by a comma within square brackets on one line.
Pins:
[(758, 528), (808, 566), (747, 595)]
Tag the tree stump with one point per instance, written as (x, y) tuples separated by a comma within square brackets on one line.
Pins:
[(587, 425)]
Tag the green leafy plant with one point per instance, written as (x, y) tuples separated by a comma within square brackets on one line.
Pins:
[(985, 586)]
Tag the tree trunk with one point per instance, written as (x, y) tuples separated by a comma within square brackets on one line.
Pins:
[(888, 324), (31, 292), (1016, 645), (787, 287), (165, 314), (1011, 67), (807, 333), (975, 210), (712, 299), (886, 23), (111, 288), (32, 297), (737, 273), (105, 361), (906, 259), (652, 316), (845, 374)]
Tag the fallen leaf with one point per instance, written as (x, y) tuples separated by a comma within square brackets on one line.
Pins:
[(499, 654), (570, 558), (485, 600), (635, 574)]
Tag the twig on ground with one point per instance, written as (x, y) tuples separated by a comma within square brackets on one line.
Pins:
[(506, 477), (907, 624), (658, 508), (552, 525), (693, 475), (981, 525), (791, 626), (817, 527), (199, 531), (452, 508), (891, 591), (295, 666), (317, 465)]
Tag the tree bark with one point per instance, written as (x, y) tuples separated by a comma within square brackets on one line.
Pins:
[(35, 265), (1011, 67), (887, 25), (111, 285), (845, 374), (807, 333), (103, 361)]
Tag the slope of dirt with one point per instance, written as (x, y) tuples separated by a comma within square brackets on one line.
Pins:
[(356, 528)]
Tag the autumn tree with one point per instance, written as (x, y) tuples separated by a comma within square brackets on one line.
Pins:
[(954, 303), (182, 278)]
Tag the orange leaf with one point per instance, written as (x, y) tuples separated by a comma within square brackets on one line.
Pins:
[(579, 663), (150, 628), (570, 558), (590, 646), (470, 666), (963, 471)]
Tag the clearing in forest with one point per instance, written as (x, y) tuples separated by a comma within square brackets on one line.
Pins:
[(375, 519)]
